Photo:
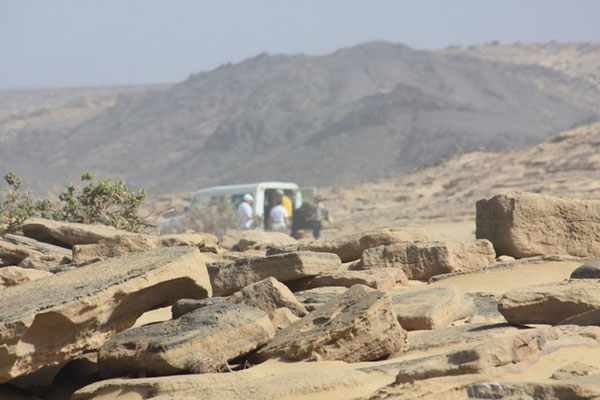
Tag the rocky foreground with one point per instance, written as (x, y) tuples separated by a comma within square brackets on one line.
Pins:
[(90, 312)]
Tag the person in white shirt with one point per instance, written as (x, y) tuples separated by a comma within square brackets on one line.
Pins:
[(245, 213), (279, 219)]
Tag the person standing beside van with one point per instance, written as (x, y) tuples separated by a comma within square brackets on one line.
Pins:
[(279, 219), (245, 213)]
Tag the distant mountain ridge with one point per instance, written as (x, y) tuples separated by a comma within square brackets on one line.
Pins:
[(358, 114)]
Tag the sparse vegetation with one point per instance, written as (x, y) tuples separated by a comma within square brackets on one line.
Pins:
[(18, 205), (215, 217), (98, 201)]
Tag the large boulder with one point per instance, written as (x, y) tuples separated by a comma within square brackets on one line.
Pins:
[(206, 242), (252, 239), (423, 260), (267, 295), (550, 303), (581, 388), (131, 243), (13, 276), (51, 320), (14, 249), (270, 381), (350, 247), (317, 297), (229, 278), (67, 234), (589, 270), (427, 340), (527, 224), (111, 247), (473, 358), (358, 326), (431, 308), (382, 279), (199, 342)]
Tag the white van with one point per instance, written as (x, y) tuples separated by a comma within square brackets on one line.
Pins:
[(264, 194)]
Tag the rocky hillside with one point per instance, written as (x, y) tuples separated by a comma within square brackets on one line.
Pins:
[(361, 113)]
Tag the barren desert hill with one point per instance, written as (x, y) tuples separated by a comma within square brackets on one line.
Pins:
[(581, 60), (565, 165), (358, 114)]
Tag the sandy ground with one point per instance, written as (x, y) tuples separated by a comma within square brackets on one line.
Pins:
[(502, 280)]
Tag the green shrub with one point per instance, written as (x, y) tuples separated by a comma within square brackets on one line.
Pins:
[(19, 205), (98, 201), (102, 202)]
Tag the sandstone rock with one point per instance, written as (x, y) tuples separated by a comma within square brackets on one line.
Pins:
[(273, 382), (44, 262), (282, 318), (442, 388), (12, 276), (587, 318), (563, 390), (199, 342), (51, 320), (574, 370), (132, 243), (350, 247), (550, 303), (11, 253), (184, 306), (68, 233), (315, 298), (38, 246), (382, 279), (359, 326), (232, 277), (423, 260), (589, 270), (431, 308), (29, 253), (186, 239), (269, 295), (112, 247), (460, 334), (242, 240), (526, 224), (472, 359)]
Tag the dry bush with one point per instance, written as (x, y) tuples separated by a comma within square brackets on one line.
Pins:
[(215, 217), (208, 362)]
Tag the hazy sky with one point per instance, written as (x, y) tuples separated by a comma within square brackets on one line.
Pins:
[(104, 42)]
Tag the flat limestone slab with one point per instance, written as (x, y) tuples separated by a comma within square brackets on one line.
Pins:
[(272, 380), (423, 260), (431, 308), (68, 233), (550, 303), (360, 325), (350, 247), (229, 278), (51, 320), (381, 279), (580, 388), (198, 342), (521, 224)]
